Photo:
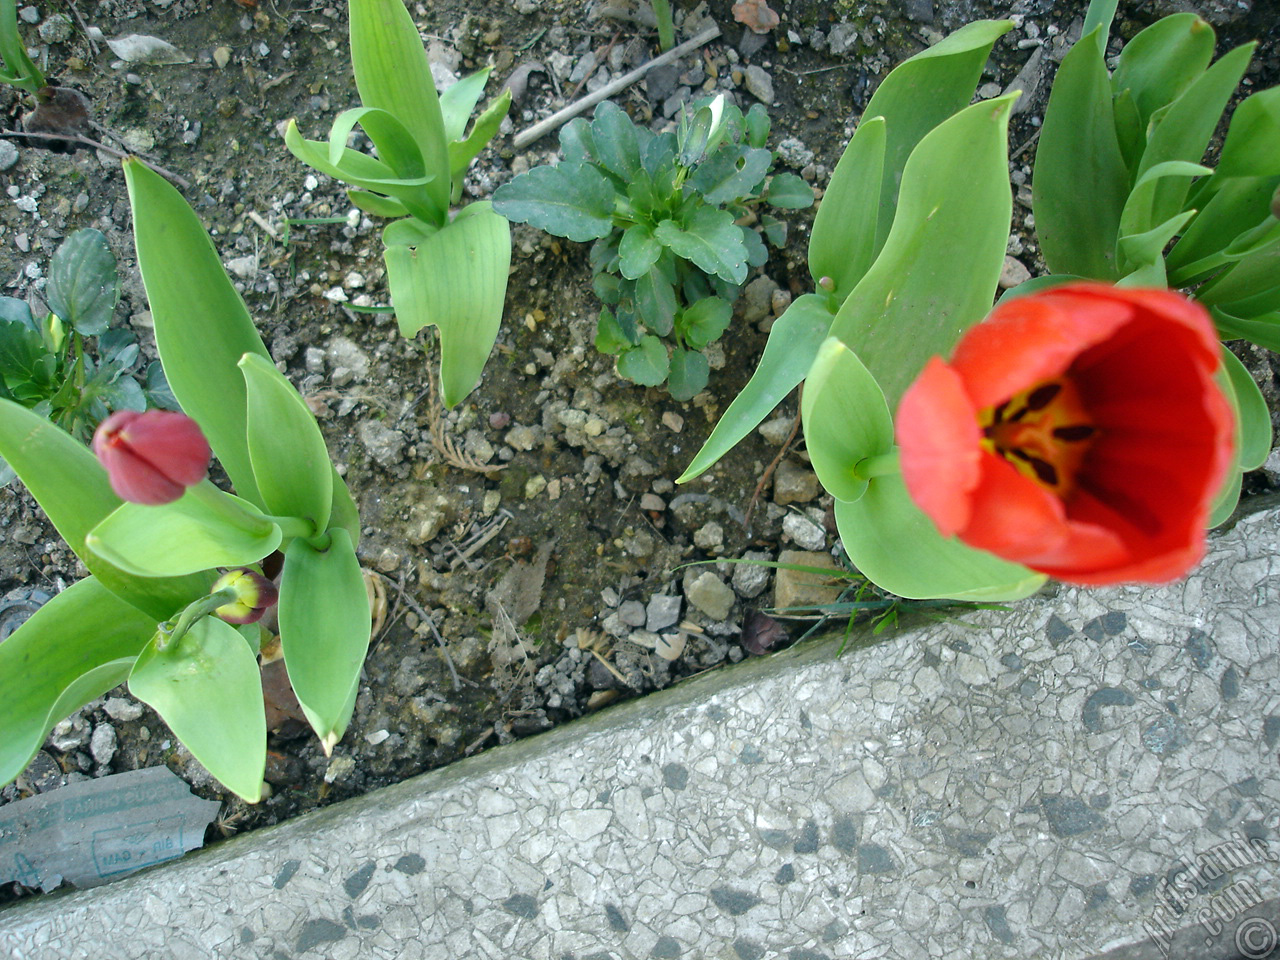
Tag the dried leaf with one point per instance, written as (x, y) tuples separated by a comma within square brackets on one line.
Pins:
[(137, 48), (756, 15), (761, 633)]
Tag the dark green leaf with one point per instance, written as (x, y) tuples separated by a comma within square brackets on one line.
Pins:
[(757, 252), (731, 174), (1253, 421), (775, 230), (1264, 331), (1252, 147), (606, 287), (572, 200), (617, 141), (638, 251), (660, 159), (21, 351), (703, 322), (688, 374), (576, 142), (757, 124), (157, 388), (789, 192), (710, 239), (18, 311), (610, 338), (656, 301), (83, 285), (646, 363)]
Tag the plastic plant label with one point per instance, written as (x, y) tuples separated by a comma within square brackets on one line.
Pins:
[(95, 831)]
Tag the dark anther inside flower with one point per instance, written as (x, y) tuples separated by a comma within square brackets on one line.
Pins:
[(1078, 431), (254, 595), (151, 457)]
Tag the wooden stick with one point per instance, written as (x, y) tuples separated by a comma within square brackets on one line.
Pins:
[(543, 127)]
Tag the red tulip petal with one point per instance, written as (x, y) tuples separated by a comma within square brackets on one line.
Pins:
[(1011, 514), (172, 443), (135, 481), (938, 435)]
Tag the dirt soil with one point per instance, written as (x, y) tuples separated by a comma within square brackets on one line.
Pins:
[(519, 598)]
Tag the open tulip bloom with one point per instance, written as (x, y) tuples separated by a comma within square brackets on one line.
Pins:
[(1078, 431)]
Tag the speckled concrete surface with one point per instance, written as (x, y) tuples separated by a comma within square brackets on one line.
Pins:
[(1089, 771)]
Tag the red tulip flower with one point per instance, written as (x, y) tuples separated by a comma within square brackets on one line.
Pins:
[(151, 457), (255, 594), (1078, 431)]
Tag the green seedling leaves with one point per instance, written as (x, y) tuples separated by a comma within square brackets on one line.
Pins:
[(843, 240), (572, 200), (638, 251), (656, 301), (289, 456), (916, 299), (324, 630), (462, 152), (201, 324), (731, 174), (576, 142), (73, 649), (793, 344), (83, 285), (789, 192), (618, 141), (645, 363), (895, 546), (688, 374), (207, 687), (611, 339), (376, 204), (703, 322), (201, 530), (846, 419), (710, 239), (457, 280)]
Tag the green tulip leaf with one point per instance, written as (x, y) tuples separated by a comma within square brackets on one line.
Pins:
[(843, 240), (646, 363), (458, 102), (394, 143), (409, 232), (289, 456), (462, 152), (572, 200), (1264, 331), (1253, 419), (207, 687), (83, 286), (1250, 288), (393, 73), (324, 630), (201, 530), (1140, 210), (918, 298), (457, 280), (1081, 180), (73, 649), (793, 344), (72, 489), (1252, 146), (1234, 203), (202, 327), (845, 419), (376, 205), (895, 546), (1162, 61), (922, 92), (1224, 505), (1144, 250)]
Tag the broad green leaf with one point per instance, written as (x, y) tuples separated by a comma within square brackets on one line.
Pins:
[(462, 152), (576, 143), (394, 143), (1253, 419), (793, 344), (572, 200), (703, 321), (202, 327), (289, 456), (1099, 14), (617, 141), (688, 374), (458, 102), (1035, 284), (1081, 181), (1250, 288), (610, 337), (408, 232), (72, 489), (1264, 331), (1131, 132), (83, 285), (1252, 146), (731, 174), (392, 72), (21, 351), (645, 363), (1144, 249), (1238, 202), (207, 687), (1183, 132), (843, 240), (756, 122), (895, 546), (789, 192), (921, 93), (1224, 504), (775, 230), (376, 204), (1139, 214), (655, 299), (1163, 60), (203, 529), (710, 239), (343, 512), (457, 280), (919, 297), (324, 631), (84, 631), (845, 419), (757, 252), (638, 251)]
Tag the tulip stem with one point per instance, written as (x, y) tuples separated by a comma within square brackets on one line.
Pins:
[(881, 465), (193, 612), (228, 508), (291, 527)]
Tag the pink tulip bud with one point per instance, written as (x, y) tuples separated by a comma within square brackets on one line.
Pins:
[(254, 595), (151, 457)]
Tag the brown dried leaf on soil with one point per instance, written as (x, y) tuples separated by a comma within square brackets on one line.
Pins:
[(756, 15)]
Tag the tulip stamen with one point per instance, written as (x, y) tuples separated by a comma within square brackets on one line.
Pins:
[(1044, 436)]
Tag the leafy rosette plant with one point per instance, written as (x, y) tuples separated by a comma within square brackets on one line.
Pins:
[(1154, 214), (153, 611), (443, 268), (666, 213)]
